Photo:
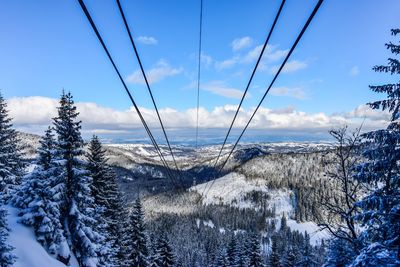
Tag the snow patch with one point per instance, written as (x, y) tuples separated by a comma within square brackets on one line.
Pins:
[(28, 251)]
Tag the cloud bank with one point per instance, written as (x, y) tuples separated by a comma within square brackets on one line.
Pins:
[(33, 113)]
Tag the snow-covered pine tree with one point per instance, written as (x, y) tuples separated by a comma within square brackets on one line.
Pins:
[(233, 252), (255, 258), (274, 257), (164, 255), (78, 212), (39, 197), (119, 229), (381, 208), (11, 163), (97, 167), (7, 258), (222, 259), (11, 170), (339, 253), (289, 259), (308, 257), (139, 254), (105, 193)]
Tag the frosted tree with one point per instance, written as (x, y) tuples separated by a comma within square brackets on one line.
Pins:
[(11, 164), (381, 208), (290, 258), (78, 212), (104, 192), (164, 255), (274, 257), (139, 254), (98, 171), (222, 259), (7, 258), (11, 170), (308, 257), (119, 229), (255, 258), (343, 207), (39, 197), (233, 252)]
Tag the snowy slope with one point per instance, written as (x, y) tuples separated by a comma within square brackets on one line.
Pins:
[(28, 251), (232, 188)]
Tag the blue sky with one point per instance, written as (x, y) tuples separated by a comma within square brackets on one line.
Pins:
[(48, 45)]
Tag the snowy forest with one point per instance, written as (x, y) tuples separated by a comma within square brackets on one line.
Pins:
[(88, 204)]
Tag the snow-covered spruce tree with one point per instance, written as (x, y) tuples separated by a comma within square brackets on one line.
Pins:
[(105, 193), (109, 204), (164, 255), (222, 259), (119, 229), (11, 164), (233, 252), (139, 254), (381, 208), (78, 211), (11, 170), (98, 171), (7, 258), (255, 258), (39, 198), (274, 257), (308, 257), (289, 259), (343, 207)]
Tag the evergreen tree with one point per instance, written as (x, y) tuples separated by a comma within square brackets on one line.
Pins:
[(164, 256), (381, 208), (39, 197), (274, 260), (98, 171), (222, 259), (339, 253), (289, 260), (308, 256), (105, 194), (11, 170), (11, 164), (233, 252), (7, 258), (139, 254), (283, 223), (119, 229), (78, 211), (255, 258)]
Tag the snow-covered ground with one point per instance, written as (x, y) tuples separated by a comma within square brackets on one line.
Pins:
[(233, 187), (28, 251)]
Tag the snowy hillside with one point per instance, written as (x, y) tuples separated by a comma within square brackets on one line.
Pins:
[(233, 189), (28, 251)]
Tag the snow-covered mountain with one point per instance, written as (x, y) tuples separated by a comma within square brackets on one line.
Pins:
[(260, 183)]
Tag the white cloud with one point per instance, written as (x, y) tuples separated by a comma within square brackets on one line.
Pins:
[(241, 43), (271, 54), (31, 113), (296, 92), (220, 88), (206, 60), (354, 71), (161, 71), (220, 65), (290, 66), (365, 111), (148, 40)]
